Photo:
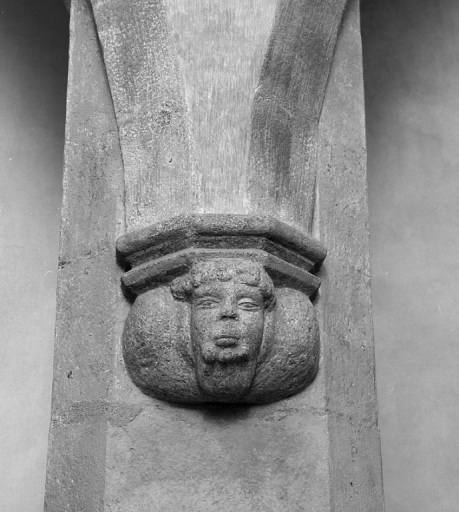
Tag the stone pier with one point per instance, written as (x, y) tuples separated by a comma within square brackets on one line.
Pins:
[(210, 109)]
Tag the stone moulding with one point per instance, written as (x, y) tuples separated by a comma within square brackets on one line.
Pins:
[(222, 309), (157, 250)]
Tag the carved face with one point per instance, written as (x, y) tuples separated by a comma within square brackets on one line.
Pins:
[(228, 300), (227, 320)]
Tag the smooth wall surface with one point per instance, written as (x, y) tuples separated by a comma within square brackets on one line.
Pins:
[(411, 64), (33, 74)]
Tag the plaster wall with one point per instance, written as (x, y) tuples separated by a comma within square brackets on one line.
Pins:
[(411, 65), (33, 74)]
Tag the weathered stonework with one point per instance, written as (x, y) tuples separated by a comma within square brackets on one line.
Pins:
[(223, 312), (194, 109)]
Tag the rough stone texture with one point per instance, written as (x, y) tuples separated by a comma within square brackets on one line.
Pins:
[(91, 308), (175, 350), (221, 46), (344, 303), (185, 231), (147, 89), (287, 106), (186, 146), (164, 250), (172, 356), (115, 449), (149, 274), (210, 458)]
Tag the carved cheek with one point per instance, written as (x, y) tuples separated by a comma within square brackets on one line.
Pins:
[(253, 320), (251, 325), (201, 323)]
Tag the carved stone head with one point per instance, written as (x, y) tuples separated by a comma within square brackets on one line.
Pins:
[(228, 300), (222, 310)]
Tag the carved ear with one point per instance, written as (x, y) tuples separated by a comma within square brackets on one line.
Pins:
[(181, 288)]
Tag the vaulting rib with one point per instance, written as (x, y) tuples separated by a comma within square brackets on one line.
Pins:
[(218, 102)]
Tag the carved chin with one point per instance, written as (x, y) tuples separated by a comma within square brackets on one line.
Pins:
[(225, 381)]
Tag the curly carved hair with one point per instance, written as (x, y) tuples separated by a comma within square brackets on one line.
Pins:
[(241, 271)]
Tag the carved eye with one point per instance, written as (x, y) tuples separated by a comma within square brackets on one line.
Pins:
[(207, 302), (248, 305)]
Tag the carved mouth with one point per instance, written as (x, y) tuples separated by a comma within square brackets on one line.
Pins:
[(226, 340)]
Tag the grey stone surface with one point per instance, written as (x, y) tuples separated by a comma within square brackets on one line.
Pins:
[(91, 307), (287, 106), (206, 229), (159, 252), (226, 342), (230, 338), (150, 273), (220, 458), (114, 448), (344, 304), (262, 161)]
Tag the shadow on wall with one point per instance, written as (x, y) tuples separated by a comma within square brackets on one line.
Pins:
[(33, 76), (411, 69)]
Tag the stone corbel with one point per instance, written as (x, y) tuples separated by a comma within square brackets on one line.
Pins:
[(222, 309)]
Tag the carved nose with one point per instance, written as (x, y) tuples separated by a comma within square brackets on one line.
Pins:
[(229, 311)]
